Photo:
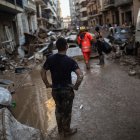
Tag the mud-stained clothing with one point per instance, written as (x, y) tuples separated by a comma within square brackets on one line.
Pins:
[(63, 99), (61, 67)]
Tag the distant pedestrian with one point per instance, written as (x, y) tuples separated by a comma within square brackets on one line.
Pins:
[(85, 40), (61, 66), (99, 45), (111, 30)]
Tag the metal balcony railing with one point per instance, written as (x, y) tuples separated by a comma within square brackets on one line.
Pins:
[(94, 12), (16, 2), (109, 4), (91, 2)]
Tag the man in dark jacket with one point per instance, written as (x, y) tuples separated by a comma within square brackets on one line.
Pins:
[(61, 66)]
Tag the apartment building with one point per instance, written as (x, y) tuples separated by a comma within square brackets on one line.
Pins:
[(25, 16), (59, 14), (66, 22), (77, 13), (27, 20), (72, 12), (94, 12), (112, 11), (83, 12), (125, 10), (8, 22), (47, 13)]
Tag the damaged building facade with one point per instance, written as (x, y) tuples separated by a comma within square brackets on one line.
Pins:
[(47, 13), (8, 25), (25, 16), (27, 20), (101, 12)]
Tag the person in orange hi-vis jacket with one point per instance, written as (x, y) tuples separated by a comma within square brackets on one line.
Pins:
[(85, 40)]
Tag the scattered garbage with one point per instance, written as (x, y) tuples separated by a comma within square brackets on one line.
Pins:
[(38, 56), (132, 72), (21, 52), (10, 128), (20, 70), (8, 84), (5, 97), (81, 107)]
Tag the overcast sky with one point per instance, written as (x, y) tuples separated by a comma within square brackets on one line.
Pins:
[(65, 8)]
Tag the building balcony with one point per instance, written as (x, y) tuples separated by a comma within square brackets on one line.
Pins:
[(42, 2), (123, 2), (29, 5), (94, 12), (16, 2), (76, 2), (91, 2), (83, 9), (84, 18), (109, 4), (50, 18), (77, 14), (49, 8), (77, 8), (11, 6), (80, 1)]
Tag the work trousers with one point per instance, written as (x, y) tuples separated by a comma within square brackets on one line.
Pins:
[(99, 46), (86, 56), (63, 99)]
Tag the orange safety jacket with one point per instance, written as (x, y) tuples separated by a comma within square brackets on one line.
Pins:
[(84, 39)]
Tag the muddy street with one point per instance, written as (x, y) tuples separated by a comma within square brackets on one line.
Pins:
[(106, 107), (110, 100)]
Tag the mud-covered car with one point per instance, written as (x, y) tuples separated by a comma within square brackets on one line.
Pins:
[(122, 35), (71, 37)]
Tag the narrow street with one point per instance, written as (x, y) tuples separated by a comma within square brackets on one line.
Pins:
[(107, 104), (111, 104)]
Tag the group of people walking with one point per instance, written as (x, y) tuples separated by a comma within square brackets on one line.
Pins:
[(86, 40), (61, 66)]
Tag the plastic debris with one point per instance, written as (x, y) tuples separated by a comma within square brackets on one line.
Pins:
[(81, 106)]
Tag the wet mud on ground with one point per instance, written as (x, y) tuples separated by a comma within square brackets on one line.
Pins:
[(111, 105), (109, 96)]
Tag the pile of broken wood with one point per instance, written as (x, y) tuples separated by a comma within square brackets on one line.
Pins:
[(34, 41)]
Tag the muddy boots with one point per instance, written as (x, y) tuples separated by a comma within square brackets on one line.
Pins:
[(66, 126), (63, 123), (59, 124), (101, 60), (71, 131)]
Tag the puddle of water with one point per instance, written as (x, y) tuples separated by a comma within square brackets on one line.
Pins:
[(50, 104), (96, 69)]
